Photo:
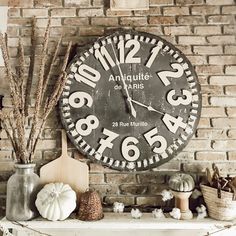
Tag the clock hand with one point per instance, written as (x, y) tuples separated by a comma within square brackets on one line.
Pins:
[(129, 100), (150, 108)]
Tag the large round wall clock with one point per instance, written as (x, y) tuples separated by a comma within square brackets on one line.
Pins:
[(132, 101)]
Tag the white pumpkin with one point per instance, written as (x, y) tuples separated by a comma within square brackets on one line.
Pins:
[(56, 201)]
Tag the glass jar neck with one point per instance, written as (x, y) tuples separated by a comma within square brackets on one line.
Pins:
[(24, 169)]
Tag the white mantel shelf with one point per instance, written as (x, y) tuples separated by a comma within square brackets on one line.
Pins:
[(122, 221)]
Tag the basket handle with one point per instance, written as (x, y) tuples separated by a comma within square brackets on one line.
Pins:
[(234, 191), (218, 190)]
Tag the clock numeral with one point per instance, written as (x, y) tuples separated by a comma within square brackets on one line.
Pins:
[(107, 143), (130, 58), (79, 99), (173, 123), (164, 75), (152, 137), (185, 99), (154, 52), (87, 75), (85, 126), (103, 56), (129, 151)]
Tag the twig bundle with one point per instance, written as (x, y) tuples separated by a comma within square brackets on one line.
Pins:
[(20, 84)]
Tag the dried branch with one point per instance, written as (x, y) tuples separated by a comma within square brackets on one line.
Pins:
[(13, 128), (4, 118), (21, 97), (66, 58), (60, 82), (15, 99), (49, 72), (31, 68), (21, 77), (51, 103), (6, 42), (8, 68), (39, 88)]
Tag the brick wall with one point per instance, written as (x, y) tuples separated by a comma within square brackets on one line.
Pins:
[(203, 29)]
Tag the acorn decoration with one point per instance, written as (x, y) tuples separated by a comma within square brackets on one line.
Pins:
[(90, 206), (182, 185)]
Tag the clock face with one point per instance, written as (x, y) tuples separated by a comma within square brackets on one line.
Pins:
[(132, 101)]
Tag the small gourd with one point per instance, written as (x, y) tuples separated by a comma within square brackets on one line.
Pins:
[(181, 182), (56, 201)]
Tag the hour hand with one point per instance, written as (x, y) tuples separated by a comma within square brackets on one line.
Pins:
[(132, 110), (150, 108)]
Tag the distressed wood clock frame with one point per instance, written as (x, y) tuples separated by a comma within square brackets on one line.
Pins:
[(132, 101)]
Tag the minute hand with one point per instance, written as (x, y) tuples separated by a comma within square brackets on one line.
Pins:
[(150, 108), (133, 112)]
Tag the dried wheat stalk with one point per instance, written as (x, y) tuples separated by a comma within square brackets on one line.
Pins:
[(49, 72), (25, 148), (31, 67), (21, 77), (15, 99), (39, 90), (52, 101)]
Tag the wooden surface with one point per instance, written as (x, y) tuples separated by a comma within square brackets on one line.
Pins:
[(115, 224), (66, 170)]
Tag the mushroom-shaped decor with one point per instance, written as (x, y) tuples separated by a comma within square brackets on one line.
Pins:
[(182, 185)]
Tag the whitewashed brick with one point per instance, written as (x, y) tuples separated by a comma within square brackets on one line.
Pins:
[(175, 11), (204, 123), (39, 12), (207, 30), (224, 145), (229, 9), (232, 133), (232, 156), (77, 3), (207, 49), (177, 30), (223, 101), (213, 112), (222, 60), (220, 2), (211, 133), (221, 39), (219, 19), (230, 70), (192, 40), (198, 59), (224, 122), (212, 89), (92, 12), (230, 49), (63, 12), (211, 156), (231, 111), (230, 90), (197, 145), (205, 10), (223, 80)]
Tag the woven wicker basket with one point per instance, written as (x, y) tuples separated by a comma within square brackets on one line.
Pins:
[(220, 208), (90, 206)]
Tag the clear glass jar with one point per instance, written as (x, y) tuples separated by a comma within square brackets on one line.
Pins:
[(22, 189)]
